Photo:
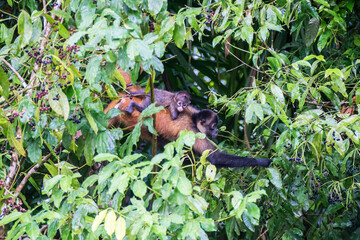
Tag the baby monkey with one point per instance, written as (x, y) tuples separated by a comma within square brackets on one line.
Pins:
[(177, 102)]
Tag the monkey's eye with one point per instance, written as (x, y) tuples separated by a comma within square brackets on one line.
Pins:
[(179, 104)]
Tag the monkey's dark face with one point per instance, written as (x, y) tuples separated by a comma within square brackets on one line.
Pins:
[(207, 123), (182, 101), (209, 127)]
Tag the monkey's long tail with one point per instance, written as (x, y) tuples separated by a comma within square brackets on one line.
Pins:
[(221, 159)]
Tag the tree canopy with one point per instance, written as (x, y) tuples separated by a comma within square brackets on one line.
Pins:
[(282, 75)]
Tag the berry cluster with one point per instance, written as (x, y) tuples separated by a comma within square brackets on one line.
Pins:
[(334, 198), (2, 184), (32, 124), (210, 16), (76, 116), (5, 69), (267, 212), (45, 107), (40, 94), (12, 206), (13, 115)]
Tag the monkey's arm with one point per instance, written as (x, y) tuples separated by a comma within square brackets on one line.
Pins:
[(174, 112)]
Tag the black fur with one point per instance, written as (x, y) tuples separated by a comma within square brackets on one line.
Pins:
[(221, 159)]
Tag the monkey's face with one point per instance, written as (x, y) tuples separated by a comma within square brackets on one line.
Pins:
[(180, 106), (182, 100), (206, 122), (208, 126), (181, 103), (212, 129)]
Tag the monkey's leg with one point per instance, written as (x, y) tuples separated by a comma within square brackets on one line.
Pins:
[(140, 107), (130, 108)]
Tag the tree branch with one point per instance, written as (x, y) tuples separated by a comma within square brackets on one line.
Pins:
[(15, 72), (33, 170), (42, 46), (13, 163)]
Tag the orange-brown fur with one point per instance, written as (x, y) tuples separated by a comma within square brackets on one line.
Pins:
[(170, 130), (163, 118)]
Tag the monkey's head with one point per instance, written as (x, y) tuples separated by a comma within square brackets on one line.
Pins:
[(182, 100), (206, 122)]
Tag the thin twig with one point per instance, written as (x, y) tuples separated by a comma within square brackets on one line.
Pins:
[(15, 72), (245, 63), (313, 103), (31, 171), (262, 234)]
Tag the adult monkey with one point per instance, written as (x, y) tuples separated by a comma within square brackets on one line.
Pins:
[(170, 130)]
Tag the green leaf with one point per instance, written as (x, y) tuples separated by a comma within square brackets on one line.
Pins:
[(120, 230), (138, 47), (275, 177), (18, 146), (190, 230), (210, 172), (34, 150), (4, 83), (105, 157), (60, 106), (155, 6), (49, 184), (311, 30), (278, 94), (53, 228), (63, 31), (25, 27), (179, 34), (110, 222), (197, 204), (89, 149), (92, 69), (323, 39), (308, 9), (98, 220), (253, 210), (91, 121), (331, 95), (184, 186), (11, 217), (216, 40), (139, 188)]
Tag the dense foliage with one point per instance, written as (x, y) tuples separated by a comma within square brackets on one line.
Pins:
[(282, 75)]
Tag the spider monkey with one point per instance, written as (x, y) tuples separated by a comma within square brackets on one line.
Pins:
[(190, 120), (177, 102)]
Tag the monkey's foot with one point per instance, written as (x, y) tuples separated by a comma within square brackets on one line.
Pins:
[(129, 110)]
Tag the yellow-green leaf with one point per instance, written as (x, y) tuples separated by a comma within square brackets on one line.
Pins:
[(110, 222), (98, 220), (120, 229), (91, 121), (18, 146)]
